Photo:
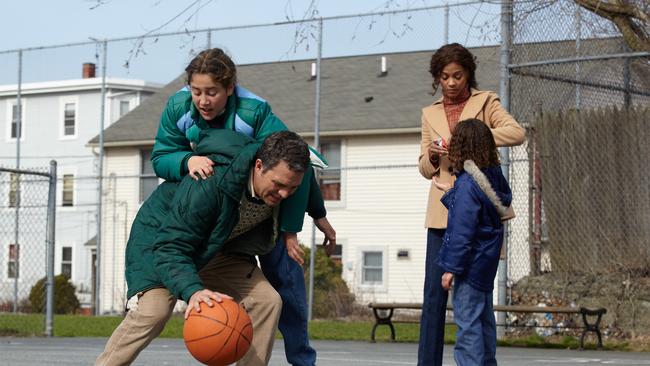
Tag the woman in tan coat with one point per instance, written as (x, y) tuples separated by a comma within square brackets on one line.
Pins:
[(453, 68)]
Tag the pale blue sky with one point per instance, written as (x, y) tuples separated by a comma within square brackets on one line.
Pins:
[(33, 23)]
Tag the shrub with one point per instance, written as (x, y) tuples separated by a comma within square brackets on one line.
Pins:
[(332, 297), (65, 300)]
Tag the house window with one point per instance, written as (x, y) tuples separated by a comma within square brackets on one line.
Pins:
[(372, 270), (124, 107), (15, 130), (68, 190), (330, 178), (12, 263), (148, 179), (13, 190), (66, 261), (69, 119)]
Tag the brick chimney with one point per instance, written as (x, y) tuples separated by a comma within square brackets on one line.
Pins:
[(88, 70)]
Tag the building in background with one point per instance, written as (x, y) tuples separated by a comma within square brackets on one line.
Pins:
[(58, 119)]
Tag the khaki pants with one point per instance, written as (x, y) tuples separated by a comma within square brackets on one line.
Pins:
[(234, 276)]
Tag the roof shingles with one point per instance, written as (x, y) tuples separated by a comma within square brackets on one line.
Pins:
[(347, 83)]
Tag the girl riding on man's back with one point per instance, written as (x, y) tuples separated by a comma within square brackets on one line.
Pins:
[(213, 99)]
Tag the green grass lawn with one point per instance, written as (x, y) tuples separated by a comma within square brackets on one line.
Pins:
[(27, 325)]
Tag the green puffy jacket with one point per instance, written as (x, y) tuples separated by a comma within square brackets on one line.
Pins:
[(246, 113), (182, 225)]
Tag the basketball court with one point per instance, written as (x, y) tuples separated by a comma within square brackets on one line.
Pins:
[(82, 351)]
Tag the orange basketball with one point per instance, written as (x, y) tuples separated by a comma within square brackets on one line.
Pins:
[(218, 335)]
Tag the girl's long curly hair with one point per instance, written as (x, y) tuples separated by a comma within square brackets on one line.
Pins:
[(473, 140)]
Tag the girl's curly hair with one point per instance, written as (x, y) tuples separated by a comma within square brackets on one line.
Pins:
[(473, 140), (453, 52)]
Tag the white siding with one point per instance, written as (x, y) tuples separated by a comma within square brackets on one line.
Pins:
[(384, 206), (43, 141), (124, 190)]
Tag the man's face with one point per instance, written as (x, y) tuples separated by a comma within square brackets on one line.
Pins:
[(275, 184)]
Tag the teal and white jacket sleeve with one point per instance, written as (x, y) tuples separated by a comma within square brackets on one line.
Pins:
[(172, 148)]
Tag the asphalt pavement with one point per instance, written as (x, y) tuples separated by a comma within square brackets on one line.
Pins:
[(83, 351)]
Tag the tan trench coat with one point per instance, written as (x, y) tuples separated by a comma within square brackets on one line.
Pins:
[(483, 105)]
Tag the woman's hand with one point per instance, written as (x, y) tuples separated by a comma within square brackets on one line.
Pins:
[(200, 166), (441, 186), (437, 149)]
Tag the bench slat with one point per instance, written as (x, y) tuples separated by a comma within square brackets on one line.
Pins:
[(386, 319), (506, 308), (395, 305)]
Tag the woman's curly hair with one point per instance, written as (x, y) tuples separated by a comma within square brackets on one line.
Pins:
[(453, 52), (473, 140)]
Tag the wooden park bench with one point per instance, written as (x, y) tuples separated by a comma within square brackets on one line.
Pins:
[(384, 314)]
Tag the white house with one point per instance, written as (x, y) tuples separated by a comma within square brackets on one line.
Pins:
[(58, 119), (370, 132)]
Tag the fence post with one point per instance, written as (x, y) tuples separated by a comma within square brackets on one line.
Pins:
[(312, 257), (578, 21), (19, 134), (50, 240), (504, 92), (446, 24), (100, 171)]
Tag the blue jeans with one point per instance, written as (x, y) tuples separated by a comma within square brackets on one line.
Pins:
[(286, 276), (434, 305), (476, 339)]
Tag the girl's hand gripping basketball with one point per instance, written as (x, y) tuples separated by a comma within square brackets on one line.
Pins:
[(205, 296)]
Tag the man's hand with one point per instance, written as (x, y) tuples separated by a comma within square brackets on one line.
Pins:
[(205, 296), (447, 278), (329, 243), (293, 248), (200, 166)]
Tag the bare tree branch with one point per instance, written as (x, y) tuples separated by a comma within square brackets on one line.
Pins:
[(628, 16), (97, 3)]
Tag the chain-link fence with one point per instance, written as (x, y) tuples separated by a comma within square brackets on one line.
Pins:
[(563, 57), (23, 231), (27, 232), (580, 181), (137, 66)]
